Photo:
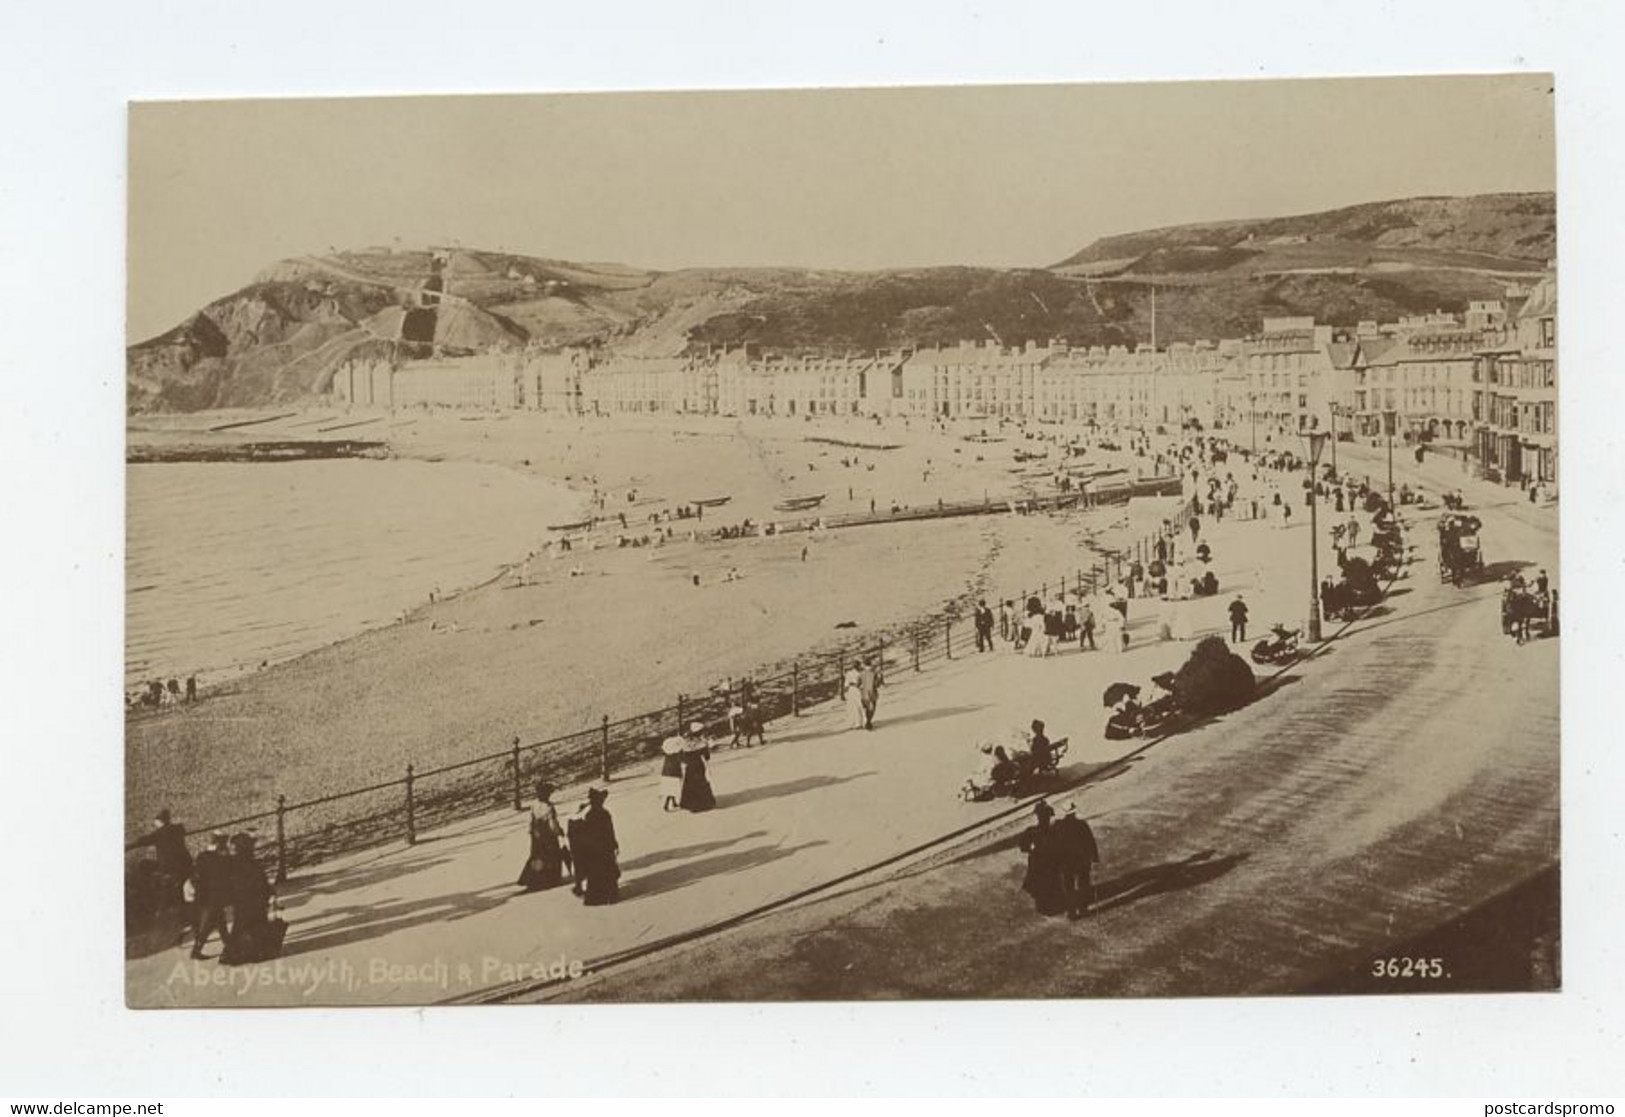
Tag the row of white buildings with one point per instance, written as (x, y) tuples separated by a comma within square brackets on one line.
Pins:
[(1482, 382)]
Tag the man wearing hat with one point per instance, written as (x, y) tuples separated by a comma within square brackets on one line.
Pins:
[(1043, 878), (1238, 620), (211, 890), (869, 690), (1076, 854), (170, 856)]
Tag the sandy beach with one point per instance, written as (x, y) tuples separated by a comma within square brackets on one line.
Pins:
[(557, 640)]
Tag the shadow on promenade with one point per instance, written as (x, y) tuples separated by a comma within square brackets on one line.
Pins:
[(643, 887), (678, 853), (1170, 876), (786, 788)]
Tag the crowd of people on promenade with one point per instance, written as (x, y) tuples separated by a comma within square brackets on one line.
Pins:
[(224, 892), (221, 893), (586, 848)]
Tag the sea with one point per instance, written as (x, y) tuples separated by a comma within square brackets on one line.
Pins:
[(230, 565)]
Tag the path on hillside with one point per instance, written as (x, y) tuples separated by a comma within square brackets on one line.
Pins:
[(1406, 777)]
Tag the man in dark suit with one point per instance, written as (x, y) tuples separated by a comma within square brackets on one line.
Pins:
[(1076, 855), (174, 862), (1238, 620), (211, 893), (984, 627)]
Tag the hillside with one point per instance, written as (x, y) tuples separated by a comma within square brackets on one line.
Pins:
[(1481, 230), (279, 339)]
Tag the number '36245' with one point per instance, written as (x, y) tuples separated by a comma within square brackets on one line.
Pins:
[(1408, 967)]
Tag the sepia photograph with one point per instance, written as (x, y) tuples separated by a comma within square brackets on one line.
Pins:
[(960, 542)]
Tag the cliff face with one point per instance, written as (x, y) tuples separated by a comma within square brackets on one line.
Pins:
[(279, 339)]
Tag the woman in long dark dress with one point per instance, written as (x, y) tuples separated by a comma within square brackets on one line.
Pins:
[(544, 867), (1043, 879), (592, 842), (250, 896), (697, 794)]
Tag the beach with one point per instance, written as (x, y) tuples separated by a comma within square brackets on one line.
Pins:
[(547, 642)]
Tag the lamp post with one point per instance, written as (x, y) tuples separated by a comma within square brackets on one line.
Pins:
[(1317, 445), (1390, 420), (1334, 439), (1252, 413)]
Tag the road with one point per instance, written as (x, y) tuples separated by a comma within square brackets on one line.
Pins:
[(1396, 797)]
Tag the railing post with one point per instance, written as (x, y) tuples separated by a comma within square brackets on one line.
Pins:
[(795, 689), (518, 797), (281, 839), (948, 636), (603, 746), (411, 811)]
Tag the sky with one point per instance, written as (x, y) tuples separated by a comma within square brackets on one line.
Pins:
[(845, 178)]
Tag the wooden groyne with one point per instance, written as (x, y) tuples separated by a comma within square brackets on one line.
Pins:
[(282, 451)]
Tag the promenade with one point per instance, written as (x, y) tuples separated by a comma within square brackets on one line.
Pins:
[(1396, 798), (443, 920)]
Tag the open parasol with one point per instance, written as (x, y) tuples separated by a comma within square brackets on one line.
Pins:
[(1119, 691)]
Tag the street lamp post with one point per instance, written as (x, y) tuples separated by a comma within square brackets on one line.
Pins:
[(1334, 439), (1252, 413), (1317, 445), (1390, 420)]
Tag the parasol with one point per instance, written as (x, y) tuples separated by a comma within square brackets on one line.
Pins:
[(1119, 691)]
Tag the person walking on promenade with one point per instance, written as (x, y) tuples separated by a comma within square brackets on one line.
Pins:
[(869, 682), (1053, 619), (984, 627), (1196, 527), (1238, 620), (1076, 854), (1043, 878), (593, 844), (671, 769), (697, 795), (1035, 629), (211, 885), (171, 858), (250, 897), (1004, 621), (1086, 626), (1351, 531), (1117, 624), (851, 692), (544, 865)]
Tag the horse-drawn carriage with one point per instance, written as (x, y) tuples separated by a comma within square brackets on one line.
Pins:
[(1460, 553)]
